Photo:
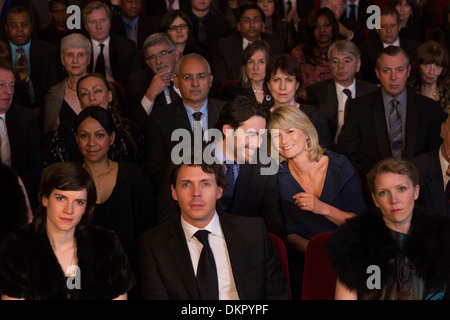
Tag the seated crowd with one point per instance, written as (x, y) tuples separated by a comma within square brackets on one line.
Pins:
[(165, 149)]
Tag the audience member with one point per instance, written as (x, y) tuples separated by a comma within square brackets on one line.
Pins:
[(434, 174), (441, 32), (57, 28), (408, 245), (19, 135), (349, 29), (321, 29), (16, 210), (152, 88), (175, 265), (387, 36), (250, 25), (132, 23), (125, 197), (331, 95), (275, 24), (253, 71), (158, 8), (60, 255), (430, 73), (208, 27), (40, 13), (178, 27), (319, 189), (250, 193), (36, 62), (408, 12), (229, 9), (61, 101), (194, 79), (94, 90), (429, 17), (283, 80), (392, 121), (357, 10), (113, 56)]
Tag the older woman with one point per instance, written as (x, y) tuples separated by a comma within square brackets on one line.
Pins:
[(319, 189), (61, 101), (178, 27), (282, 82), (321, 29), (254, 59), (60, 256), (409, 246), (430, 70)]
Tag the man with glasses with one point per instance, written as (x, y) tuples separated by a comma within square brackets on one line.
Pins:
[(114, 56), (250, 25), (132, 23), (152, 88), (193, 78)]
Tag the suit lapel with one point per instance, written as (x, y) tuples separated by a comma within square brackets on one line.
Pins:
[(380, 125), (180, 119), (411, 128), (435, 183), (179, 251), (241, 186), (235, 244)]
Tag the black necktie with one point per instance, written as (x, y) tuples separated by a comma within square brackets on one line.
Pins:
[(100, 64), (349, 97), (395, 124), (228, 195), (202, 37), (352, 14), (207, 282)]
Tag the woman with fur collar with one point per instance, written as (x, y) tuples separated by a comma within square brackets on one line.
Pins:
[(59, 255), (410, 246)]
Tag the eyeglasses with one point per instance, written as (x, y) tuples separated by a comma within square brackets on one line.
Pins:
[(199, 76), (162, 55), (181, 27)]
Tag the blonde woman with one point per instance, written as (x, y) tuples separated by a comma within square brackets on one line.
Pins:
[(319, 189)]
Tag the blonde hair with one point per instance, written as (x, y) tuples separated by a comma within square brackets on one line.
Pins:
[(285, 117)]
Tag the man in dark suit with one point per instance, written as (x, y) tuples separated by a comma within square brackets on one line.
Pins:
[(114, 56), (152, 88), (330, 95), (158, 8), (19, 136), (207, 27), (392, 121), (193, 78), (244, 264), (386, 36), (36, 61), (250, 23), (434, 171), (252, 192), (132, 23)]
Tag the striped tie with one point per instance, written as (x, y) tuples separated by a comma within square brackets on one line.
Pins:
[(395, 124)]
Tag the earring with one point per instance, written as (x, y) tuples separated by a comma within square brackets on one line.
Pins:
[(308, 143)]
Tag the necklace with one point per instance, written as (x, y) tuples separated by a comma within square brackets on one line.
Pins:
[(433, 95), (258, 91), (99, 180)]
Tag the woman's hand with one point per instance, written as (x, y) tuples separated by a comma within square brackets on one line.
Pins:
[(308, 201)]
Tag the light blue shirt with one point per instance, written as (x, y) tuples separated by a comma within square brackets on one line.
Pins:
[(15, 55), (203, 119), (131, 33)]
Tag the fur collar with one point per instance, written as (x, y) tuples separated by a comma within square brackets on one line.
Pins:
[(366, 240)]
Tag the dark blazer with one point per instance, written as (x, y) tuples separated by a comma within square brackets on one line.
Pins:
[(158, 8), (364, 137), (26, 154), (369, 51), (167, 271), (162, 122), (323, 94), (46, 71), (227, 66), (255, 195), (124, 58), (146, 26), (431, 183)]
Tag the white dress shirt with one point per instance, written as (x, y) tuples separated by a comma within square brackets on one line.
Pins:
[(5, 149), (227, 287), (342, 98)]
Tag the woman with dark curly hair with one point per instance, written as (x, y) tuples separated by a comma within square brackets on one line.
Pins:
[(321, 29), (408, 11), (409, 245)]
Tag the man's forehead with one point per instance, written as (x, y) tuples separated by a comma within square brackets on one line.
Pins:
[(192, 172), (251, 13), (18, 16)]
